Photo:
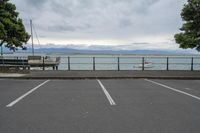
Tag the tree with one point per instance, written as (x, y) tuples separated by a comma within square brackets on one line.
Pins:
[(12, 31), (190, 35)]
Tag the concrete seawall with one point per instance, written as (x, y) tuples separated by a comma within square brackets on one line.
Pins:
[(105, 74)]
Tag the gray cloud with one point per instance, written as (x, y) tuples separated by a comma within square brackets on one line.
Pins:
[(35, 3), (125, 23), (61, 28), (117, 20), (60, 9)]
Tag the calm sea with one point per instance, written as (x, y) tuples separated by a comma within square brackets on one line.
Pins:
[(124, 62)]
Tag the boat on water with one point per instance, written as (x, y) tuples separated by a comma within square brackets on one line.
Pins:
[(146, 65)]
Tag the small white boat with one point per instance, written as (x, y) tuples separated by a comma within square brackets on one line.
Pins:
[(146, 65)]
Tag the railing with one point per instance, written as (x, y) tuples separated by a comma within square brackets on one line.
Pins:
[(16, 62), (133, 63), (117, 62)]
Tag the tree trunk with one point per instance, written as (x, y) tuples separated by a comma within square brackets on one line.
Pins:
[(1, 45), (1, 50)]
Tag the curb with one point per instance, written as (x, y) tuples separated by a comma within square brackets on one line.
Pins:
[(74, 78)]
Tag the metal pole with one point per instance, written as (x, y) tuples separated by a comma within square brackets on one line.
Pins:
[(17, 61), (3, 61), (22, 59), (32, 36), (68, 63), (192, 64), (142, 63), (167, 63), (93, 63), (118, 62), (43, 63)]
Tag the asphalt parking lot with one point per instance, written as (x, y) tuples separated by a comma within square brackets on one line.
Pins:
[(99, 106)]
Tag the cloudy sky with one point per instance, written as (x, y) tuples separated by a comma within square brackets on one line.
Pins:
[(142, 24)]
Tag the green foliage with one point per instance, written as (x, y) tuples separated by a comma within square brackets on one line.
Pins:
[(12, 30), (190, 35)]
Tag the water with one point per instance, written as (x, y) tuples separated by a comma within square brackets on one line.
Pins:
[(126, 62)]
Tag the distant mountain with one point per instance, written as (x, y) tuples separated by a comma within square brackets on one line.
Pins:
[(103, 50), (87, 51)]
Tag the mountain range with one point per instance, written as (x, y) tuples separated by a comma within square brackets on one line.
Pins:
[(88, 51), (75, 49)]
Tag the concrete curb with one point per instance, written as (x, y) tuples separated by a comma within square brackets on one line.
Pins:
[(189, 75), (74, 78)]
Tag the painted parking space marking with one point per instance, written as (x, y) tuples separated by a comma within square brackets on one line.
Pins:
[(176, 90), (188, 89), (26, 94), (111, 101)]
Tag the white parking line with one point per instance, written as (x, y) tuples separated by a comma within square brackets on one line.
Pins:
[(182, 92), (188, 89), (112, 102), (26, 94)]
